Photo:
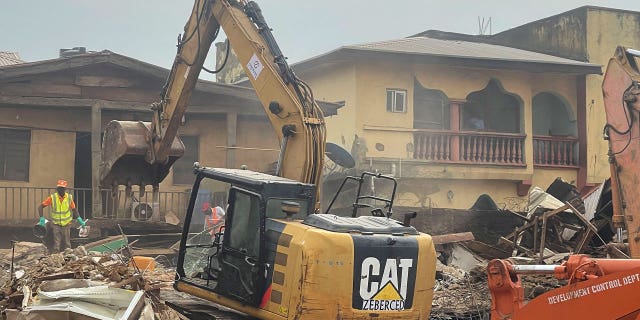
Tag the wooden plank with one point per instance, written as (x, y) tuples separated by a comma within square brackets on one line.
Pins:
[(40, 90), (153, 252), (103, 81), (487, 251), (62, 102), (60, 275), (52, 78), (453, 237), (46, 66), (120, 94)]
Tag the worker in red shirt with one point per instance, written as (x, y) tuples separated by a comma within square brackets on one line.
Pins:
[(62, 207), (213, 218)]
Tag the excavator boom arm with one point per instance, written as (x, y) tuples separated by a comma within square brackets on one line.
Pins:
[(199, 33), (289, 102)]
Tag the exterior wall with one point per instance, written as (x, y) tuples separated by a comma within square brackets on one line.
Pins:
[(337, 84), (562, 35), (543, 177), (252, 132), (464, 194), (606, 29), (210, 133), (45, 168), (52, 153), (255, 132), (421, 180)]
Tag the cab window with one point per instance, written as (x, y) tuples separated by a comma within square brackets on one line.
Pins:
[(244, 232)]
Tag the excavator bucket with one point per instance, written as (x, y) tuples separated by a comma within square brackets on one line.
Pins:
[(126, 150)]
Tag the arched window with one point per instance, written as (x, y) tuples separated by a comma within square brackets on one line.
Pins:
[(430, 108), (555, 141), (551, 116), (492, 109)]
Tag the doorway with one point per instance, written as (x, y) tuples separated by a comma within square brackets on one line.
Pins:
[(82, 174)]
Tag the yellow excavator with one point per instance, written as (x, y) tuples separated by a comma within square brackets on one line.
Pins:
[(275, 257)]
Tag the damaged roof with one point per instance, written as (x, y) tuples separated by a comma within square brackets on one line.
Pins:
[(454, 52), (9, 58)]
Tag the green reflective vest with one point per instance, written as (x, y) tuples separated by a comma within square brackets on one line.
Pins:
[(61, 209)]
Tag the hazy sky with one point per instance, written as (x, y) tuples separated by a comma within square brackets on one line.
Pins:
[(147, 30)]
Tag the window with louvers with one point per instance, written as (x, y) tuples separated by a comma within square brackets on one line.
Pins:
[(14, 154), (183, 167)]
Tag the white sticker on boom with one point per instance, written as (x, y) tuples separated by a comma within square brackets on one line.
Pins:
[(186, 72), (255, 66)]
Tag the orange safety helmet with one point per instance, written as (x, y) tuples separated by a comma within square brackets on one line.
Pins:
[(62, 183)]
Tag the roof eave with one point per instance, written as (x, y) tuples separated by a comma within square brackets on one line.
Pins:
[(58, 64), (346, 53)]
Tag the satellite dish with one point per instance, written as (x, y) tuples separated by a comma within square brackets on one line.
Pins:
[(339, 155)]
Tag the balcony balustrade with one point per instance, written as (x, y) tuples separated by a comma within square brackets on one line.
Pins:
[(469, 147), (554, 151)]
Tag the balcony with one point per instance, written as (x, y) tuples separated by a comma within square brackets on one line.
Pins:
[(469, 147), (555, 151)]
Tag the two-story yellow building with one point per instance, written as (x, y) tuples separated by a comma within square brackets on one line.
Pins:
[(456, 119)]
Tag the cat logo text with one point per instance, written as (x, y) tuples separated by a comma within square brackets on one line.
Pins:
[(383, 284)]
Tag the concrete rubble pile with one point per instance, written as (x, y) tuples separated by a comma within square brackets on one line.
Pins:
[(88, 284), (460, 294)]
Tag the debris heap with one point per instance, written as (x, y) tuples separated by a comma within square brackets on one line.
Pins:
[(34, 268)]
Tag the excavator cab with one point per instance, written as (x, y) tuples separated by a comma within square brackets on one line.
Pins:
[(234, 260)]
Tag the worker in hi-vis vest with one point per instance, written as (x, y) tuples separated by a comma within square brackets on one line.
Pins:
[(62, 212), (213, 218)]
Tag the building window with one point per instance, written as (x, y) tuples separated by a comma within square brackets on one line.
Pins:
[(183, 167), (430, 108), (491, 109), (14, 154), (396, 100)]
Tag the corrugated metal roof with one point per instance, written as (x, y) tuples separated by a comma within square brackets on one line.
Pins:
[(464, 49), (591, 202), (8, 58)]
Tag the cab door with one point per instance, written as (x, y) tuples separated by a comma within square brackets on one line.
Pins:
[(242, 265)]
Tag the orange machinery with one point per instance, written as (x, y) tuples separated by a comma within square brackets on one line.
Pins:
[(596, 289), (620, 90)]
